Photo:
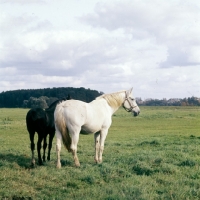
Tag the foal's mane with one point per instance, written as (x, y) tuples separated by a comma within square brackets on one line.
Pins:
[(115, 100), (54, 104)]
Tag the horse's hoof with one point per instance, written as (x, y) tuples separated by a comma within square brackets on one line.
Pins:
[(58, 166), (32, 165), (99, 161), (77, 164), (40, 163)]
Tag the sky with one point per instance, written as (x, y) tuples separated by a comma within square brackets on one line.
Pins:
[(105, 45)]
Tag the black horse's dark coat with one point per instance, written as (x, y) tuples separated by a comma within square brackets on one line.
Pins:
[(42, 122)]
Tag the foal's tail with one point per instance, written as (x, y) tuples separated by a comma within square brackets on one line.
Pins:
[(62, 127)]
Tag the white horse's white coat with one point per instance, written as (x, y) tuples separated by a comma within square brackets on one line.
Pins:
[(73, 117)]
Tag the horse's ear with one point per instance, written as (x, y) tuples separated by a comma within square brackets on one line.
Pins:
[(131, 90), (68, 97), (128, 92)]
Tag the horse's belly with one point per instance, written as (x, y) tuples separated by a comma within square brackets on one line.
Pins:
[(88, 130)]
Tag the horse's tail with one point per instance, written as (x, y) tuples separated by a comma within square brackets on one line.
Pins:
[(62, 127)]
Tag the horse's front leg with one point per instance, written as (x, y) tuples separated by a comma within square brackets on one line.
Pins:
[(75, 138), (97, 146), (103, 135)]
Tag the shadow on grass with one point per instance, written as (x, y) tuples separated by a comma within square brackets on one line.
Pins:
[(13, 160), (67, 163), (20, 198), (153, 143), (187, 163)]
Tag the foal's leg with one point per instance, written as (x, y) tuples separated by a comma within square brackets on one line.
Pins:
[(51, 136), (44, 147), (31, 135), (40, 138), (97, 146)]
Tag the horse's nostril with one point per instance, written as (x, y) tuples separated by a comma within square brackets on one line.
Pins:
[(135, 114)]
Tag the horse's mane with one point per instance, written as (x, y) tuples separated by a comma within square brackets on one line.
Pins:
[(51, 108), (53, 105), (114, 99)]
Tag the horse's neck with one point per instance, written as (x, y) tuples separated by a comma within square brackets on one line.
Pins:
[(52, 107), (118, 103), (50, 111), (50, 118), (114, 109)]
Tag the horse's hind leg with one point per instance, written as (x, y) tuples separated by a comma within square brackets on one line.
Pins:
[(58, 147), (76, 161), (51, 136), (75, 138), (31, 135), (40, 138)]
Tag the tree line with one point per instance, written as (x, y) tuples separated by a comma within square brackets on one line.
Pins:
[(44, 97), (190, 101), (32, 98)]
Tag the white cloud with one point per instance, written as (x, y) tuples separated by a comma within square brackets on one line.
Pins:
[(22, 1), (106, 45), (173, 24), (8, 71)]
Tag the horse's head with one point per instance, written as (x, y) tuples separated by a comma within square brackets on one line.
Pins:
[(130, 104)]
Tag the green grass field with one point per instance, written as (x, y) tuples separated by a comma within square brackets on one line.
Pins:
[(153, 156)]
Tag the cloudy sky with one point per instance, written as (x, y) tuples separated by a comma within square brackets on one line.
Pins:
[(105, 45)]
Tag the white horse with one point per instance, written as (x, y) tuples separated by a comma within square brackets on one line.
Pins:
[(73, 117)]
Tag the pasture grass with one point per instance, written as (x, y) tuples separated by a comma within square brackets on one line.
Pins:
[(153, 156)]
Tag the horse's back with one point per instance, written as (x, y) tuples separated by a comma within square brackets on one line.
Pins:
[(89, 116), (36, 119), (72, 110), (35, 113), (83, 111)]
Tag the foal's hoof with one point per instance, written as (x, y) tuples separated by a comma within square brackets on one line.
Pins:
[(32, 165), (40, 163)]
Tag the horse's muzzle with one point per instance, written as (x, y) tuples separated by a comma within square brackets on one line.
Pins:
[(135, 114)]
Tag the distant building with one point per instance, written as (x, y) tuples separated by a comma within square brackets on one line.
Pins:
[(174, 100)]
